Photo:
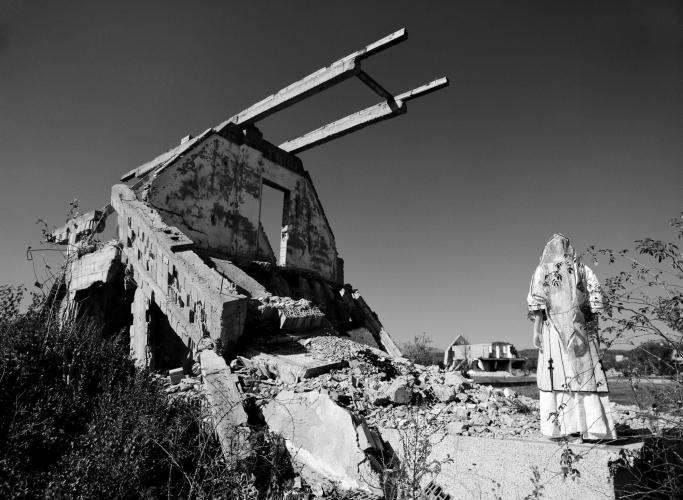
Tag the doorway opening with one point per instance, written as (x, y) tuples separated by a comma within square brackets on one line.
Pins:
[(271, 220), (168, 349)]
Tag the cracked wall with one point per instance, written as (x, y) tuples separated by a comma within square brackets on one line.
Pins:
[(213, 194)]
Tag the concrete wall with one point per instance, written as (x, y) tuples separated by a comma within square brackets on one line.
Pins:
[(195, 299), (213, 194)]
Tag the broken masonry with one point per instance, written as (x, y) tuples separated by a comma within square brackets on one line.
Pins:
[(192, 274)]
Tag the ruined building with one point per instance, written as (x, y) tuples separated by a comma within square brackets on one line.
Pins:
[(267, 334), (192, 259), (193, 278)]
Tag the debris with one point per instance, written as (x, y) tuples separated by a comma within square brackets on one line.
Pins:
[(400, 391)]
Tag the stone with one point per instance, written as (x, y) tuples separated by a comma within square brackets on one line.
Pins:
[(456, 428), (377, 398), (461, 412), (507, 420), (400, 391), (509, 393), (444, 393), (455, 379), (322, 437)]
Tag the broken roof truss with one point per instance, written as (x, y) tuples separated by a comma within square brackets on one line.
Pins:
[(341, 70)]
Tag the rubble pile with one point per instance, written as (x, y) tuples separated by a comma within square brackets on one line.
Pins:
[(391, 392), (368, 395)]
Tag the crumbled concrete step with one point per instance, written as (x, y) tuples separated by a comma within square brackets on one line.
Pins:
[(324, 439), (176, 375), (287, 362)]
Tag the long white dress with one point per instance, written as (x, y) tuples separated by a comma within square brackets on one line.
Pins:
[(574, 396)]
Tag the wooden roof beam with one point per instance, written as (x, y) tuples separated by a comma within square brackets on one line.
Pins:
[(325, 78), (374, 114)]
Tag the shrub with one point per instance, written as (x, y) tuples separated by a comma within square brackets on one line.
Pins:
[(419, 351), (644, 308), (79, 420)]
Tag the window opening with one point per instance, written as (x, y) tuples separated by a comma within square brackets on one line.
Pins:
[(272, 208)]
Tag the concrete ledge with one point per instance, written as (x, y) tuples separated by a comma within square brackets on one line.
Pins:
[(101, 265), (489, 468)]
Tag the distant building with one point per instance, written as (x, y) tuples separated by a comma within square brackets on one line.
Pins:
[(485, 357), (620, 358)]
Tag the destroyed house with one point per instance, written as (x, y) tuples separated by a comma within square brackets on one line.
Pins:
[(192, 261), (490, 357)]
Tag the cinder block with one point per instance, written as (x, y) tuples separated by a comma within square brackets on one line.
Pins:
[(176, 375)]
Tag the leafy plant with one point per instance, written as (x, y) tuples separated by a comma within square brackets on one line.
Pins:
[(419, 351), (644, 309), (79, 420)]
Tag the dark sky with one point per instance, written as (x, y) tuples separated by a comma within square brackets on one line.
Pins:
[(560, 117)]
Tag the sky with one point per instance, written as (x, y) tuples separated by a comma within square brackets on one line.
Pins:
[(560, 117)]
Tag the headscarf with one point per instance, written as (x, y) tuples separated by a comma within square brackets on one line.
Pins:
[(562, 281)]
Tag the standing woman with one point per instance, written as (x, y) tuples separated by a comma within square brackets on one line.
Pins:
[(564, 298)]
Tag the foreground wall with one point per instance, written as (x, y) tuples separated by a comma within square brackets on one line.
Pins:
[(195, 299)]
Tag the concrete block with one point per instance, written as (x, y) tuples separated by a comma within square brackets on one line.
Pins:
[(444, 393), (400, 391), (176, 375)]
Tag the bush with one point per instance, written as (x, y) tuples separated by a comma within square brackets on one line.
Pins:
[(78, 419), (419, 351)]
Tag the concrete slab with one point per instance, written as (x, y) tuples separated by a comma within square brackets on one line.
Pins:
[(324, 439), (290, 361), (101, 265), (502, 468)]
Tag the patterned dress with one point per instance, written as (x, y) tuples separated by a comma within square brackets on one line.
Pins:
[(574, 395)]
